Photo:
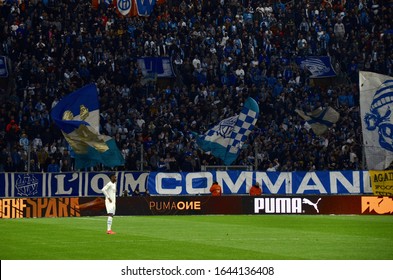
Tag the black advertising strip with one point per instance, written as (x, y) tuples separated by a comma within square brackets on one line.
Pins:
[(197, 205)]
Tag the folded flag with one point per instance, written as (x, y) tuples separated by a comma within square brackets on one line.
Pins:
[(320, 119), (78, 116), (226, 139)]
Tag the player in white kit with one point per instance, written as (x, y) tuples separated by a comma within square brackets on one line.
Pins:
[(109, 190)]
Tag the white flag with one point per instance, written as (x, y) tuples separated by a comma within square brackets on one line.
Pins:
[(376, 104), (124, 6)]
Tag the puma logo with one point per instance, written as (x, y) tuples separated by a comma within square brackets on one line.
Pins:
[(309, 202)]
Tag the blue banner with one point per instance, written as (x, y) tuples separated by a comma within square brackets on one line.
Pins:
[(80, 184), (160, 67), (3, 67), (145, 8), (318, 66)]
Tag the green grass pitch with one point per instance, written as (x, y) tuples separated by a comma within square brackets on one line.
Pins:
[(211, 237)]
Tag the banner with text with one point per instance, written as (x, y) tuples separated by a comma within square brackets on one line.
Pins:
[(382, 182), (197, 205), (72, 184)]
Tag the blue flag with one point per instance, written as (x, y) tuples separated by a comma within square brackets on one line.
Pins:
[(78, 117), (145, 8), (318, 66), (226, 139)]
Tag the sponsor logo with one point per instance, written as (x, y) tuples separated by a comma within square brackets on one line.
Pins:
[(283, 205), (12, 208), (39, 207), (379, 205), (315, 205), (172, 205)]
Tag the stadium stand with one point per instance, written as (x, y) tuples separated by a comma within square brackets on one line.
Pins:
[(221, 52)]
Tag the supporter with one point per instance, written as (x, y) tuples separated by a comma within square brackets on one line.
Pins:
[(215, 189), (53, 166), (222, 51), (255, 189)]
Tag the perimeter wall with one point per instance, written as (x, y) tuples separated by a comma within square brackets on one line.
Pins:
[(80, 184), (79, 194)]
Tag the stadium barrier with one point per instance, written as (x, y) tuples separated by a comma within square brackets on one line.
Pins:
[(197, 205)]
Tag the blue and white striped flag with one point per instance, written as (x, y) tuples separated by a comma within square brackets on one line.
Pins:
[(376, 104), (319, 66), (78, 116), (226, 139), (321, 119)]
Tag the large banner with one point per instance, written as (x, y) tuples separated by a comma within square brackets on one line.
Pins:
[(318, 66), (80, 184), (197, 205), (376, 92)]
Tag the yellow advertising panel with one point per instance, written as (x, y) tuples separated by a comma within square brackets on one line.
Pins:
[(382, 182)]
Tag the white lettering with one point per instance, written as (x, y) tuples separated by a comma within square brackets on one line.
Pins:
[(98, 181), (60, 185), (269, 205), (201, 177), (366, 182), (175, 183), (259, 204), (273, 205), (244, 177), (297, 205), (284, 178), (131, 184), (283, 205), (306, 184), (337, 177)]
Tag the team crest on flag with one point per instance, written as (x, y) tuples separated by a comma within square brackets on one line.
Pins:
[(124, 6), (376, 104), (226, 126), (226, 139), (77, 115), (318, 66)]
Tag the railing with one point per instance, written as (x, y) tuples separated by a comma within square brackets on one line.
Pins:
[(226, 168)]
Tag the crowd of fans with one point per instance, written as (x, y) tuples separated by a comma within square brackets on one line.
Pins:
[(222, 52)]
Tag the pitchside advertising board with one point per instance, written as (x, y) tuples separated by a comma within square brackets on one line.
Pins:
[(81, 184), (196, 205)]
